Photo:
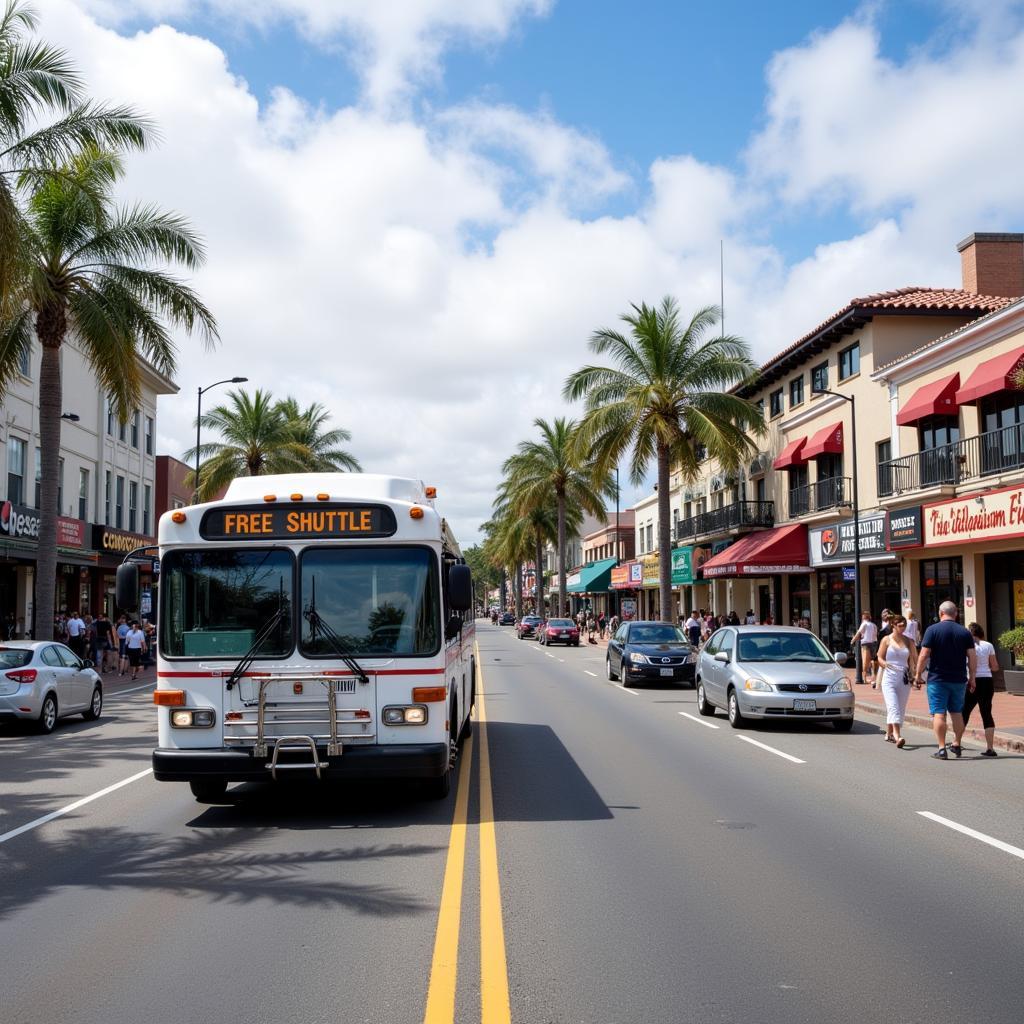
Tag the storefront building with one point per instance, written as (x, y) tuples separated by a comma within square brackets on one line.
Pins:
[(626, 581)]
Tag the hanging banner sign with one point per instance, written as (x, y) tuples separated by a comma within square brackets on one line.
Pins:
[(682, 566), (905, 528)]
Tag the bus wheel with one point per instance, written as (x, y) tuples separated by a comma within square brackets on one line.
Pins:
[(208, 791)]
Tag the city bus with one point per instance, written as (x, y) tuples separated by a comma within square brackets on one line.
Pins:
[(316, 625)]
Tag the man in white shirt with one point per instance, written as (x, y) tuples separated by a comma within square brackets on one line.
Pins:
[(692, 627), (867, 638), (76, 634)]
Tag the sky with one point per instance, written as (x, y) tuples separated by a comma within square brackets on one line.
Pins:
[(417, 212)]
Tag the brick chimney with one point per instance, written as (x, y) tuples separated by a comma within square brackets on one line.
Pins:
[(993, 263)]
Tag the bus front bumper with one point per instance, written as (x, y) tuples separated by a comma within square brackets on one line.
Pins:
[(407, 761)]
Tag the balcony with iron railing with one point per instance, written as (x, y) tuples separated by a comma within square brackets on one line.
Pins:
[(821, 496), (973, 458), (739, 515)]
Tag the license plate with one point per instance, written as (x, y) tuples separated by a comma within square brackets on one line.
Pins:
[(804, 705), (668, 672)]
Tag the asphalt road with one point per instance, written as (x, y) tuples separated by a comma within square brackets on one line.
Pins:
[(651, 869)]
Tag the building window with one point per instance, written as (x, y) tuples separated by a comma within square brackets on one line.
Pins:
[(149, 435), (883, 456), (761, 489), (37, 500), (133, 505), (177, 503), (136, 420), (106, 501), (122, 431), (775, 403), (83, 494), (819, 378), (119, 504), (110, 416), (15, 470), (849, 361), (650, 536), (796, 391), (147, 507), (25, 361)]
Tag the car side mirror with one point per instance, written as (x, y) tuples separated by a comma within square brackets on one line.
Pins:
[(87, 663), (722, 657), (839, 657), (453, 627)]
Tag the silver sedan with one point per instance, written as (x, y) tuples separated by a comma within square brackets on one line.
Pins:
[(42, 681), (758, 672)]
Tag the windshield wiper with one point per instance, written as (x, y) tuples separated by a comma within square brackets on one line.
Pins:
[(250, 655), (316, 622)]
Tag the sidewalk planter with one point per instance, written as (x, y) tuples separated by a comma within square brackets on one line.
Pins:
[(1013, 640), (1014, 678)]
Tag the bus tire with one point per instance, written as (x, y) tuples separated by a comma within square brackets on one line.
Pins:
[(208, 791)]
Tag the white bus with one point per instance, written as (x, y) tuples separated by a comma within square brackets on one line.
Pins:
[(318, 624)]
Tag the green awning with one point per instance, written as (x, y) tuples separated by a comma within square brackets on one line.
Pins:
[(595, 578)]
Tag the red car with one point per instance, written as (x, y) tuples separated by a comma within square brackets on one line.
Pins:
[(560, 631), (527, 626)]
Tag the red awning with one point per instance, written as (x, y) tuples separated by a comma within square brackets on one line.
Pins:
[(935, 399), (782, 550), (991, 376), (827, 441), (791, 455)]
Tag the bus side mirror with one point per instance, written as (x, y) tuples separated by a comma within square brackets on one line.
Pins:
[(460, 587), (126, 591)]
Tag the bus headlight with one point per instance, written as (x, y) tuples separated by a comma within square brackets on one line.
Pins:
[(412, 714), (202, 719)]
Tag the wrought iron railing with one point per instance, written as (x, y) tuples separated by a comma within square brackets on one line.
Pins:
[(989, 454), (820, 496), (730, 517)]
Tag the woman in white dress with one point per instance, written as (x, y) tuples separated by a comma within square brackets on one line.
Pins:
[(895, 654)]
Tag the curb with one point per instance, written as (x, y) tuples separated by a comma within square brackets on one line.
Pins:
[(1015, 744)]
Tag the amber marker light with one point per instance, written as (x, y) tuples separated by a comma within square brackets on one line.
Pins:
[(169, 698), (428, 694), (431, 492), (415, 512), (296, 497), (296, 688), (178, 517), (323, 497), (270, 497)]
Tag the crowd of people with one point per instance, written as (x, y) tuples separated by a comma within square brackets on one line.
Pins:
[(125, 646)]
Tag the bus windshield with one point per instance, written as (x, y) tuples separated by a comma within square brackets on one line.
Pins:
[(215, 602), (377, 600)]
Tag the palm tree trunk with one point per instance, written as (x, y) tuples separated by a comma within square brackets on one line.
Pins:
[(562, 596), (664, 536), (539, 578), (51, 326), (519, 590)]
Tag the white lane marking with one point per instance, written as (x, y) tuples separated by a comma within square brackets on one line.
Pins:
[(589, 673), (1016, 851), (562, 660), (771, 750), (699, 721), (117, 693), (549, 654), (624, 689), (72, 807)]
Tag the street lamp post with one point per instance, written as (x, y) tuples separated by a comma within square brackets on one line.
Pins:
[(618, 541), (858, 669), (199, 417)]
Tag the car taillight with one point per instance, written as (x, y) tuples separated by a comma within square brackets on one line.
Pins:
[(22, 675)]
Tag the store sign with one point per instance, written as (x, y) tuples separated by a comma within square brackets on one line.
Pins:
[(650, 570), (573, 580), (829, 544), (849, 574), (905, 528), (636, 573), (23, 523), (700, 556), (70, 533), (118, 541), (682, 566), (619, 577), (991, 515), (719, 546)]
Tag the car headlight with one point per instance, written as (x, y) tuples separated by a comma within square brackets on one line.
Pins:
[(843, 686), (757, 684), (639, 659)]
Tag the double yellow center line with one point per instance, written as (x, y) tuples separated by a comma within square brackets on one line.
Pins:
[(494, 999)]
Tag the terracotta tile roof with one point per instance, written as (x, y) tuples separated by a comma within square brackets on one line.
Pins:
[(857, 312)]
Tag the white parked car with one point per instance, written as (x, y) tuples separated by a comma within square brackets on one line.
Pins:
[(42, 681)]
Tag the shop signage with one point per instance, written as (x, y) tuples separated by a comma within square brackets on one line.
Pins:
[(700, 556), (905, 528), (104, 538), (620, 577), (636, 573), (989, 515), (573, 580), (849, 574), (628, 608), (719, 546), (20, 522), (70, 532), (682, 566), (650, 570), (830, 544)]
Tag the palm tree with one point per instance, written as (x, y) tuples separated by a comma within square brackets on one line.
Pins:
[(666, 395), (556, 465), (44, 124), (521, 533), (93, 271), (307, 427)]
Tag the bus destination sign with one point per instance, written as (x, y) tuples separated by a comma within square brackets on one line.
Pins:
[(297, 522)]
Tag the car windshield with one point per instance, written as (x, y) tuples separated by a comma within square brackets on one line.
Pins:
[(14, 657), (216, 602), (561, 623), (531, 620), (797, 646), (378, 600), (657, 634)]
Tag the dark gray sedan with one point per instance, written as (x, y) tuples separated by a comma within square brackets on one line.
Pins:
[(649, 652)]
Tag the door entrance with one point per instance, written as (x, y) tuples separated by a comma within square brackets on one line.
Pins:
[(942, 579), (835, 609)]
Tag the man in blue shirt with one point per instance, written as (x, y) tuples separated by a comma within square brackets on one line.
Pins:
[(948, 651)]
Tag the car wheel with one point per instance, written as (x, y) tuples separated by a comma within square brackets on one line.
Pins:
[(208, 791), (95, 706), (704, 706), (736, 719), (609, 674), (47, 714), (843, 724)]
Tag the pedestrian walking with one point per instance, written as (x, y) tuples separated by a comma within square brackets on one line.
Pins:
[(90, 638), (105, 640), (865, 640), (122, 647), (734, 619), (76, 634), (692, 627), (981, 696), (896, 656), (947, 650), (613, 625), (751, 619), (913, 630), (600, 625), (591, 626), (135, 642)]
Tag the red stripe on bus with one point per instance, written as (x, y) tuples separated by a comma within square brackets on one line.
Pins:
[(332, 674)]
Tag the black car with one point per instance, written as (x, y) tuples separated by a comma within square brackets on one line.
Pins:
[(507, 619), (648, 652)]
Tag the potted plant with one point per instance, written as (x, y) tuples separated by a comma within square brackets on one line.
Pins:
[(1013, 641)]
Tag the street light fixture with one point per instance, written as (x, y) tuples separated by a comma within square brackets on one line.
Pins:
[(72, 417), (858, 669), (199, 417)]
